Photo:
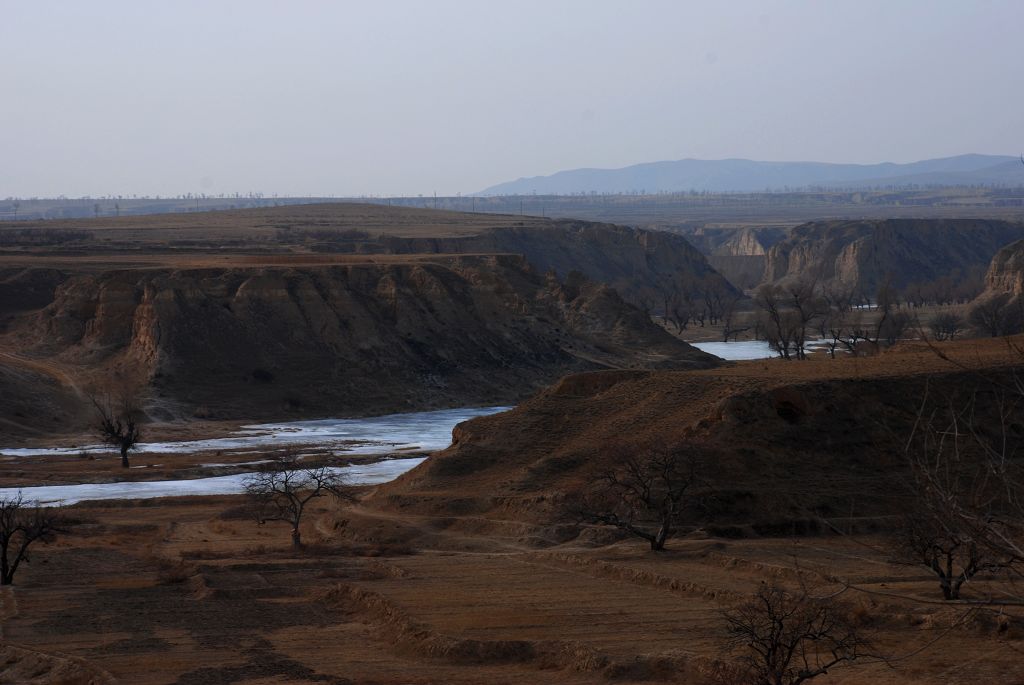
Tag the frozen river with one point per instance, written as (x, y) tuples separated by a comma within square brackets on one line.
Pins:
[(737, 350), (357, 474), (425, 430)]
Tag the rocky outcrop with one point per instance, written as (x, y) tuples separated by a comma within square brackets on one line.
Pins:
[(864, 254), (1006, 273), (737, 253), (356, 339)]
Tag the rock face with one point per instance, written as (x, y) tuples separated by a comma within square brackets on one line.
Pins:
[(737, 253), (362, 338), (865, 254), (1006, 273)]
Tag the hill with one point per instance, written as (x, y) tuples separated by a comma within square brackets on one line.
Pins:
[(744, 175), (780, 443)]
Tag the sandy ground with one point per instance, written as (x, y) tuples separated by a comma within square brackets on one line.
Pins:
[(187, 591)]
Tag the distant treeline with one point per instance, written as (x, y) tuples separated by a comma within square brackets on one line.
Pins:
[(41, 236)]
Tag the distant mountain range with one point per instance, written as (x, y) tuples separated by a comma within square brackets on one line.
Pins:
[(744, 175)]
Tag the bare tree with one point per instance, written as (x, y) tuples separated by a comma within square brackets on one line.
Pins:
[(946, 326), (934, 535), (282, 490), (730, 326), (964, 518), (646, 495), (21, 524), (118, 426), (788, 313), (997, 315), (789, 637)]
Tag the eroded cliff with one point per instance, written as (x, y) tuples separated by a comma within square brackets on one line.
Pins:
[(865, 254), (359, 339)]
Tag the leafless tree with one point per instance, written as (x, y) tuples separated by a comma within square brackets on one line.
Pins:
[(838, 296), (281, 491), (947, 325), (965, 516), (934, 536), (788, 312), (998, 315), (730, 327), (789, 637), (22, 523), (118, 425), (776, 324), (646, 494)]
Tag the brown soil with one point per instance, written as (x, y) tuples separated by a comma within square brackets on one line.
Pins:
[(788, 441), (186, 592), (456, 573)]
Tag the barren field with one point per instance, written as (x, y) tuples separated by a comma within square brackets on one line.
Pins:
[(191, 590), (183, 592), (228, 227)]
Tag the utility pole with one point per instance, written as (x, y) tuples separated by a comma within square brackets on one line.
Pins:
[(520, 206)]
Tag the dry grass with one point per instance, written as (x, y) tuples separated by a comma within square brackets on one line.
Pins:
[(208, 605)]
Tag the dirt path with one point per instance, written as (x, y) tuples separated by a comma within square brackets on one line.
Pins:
[(46, 368)]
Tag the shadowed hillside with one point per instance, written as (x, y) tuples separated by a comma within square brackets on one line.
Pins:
[(245, 343), (781, 443)]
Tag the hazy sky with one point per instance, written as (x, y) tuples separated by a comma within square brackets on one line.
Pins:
[(378, 97)]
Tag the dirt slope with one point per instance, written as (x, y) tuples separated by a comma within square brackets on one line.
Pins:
[(782, 442)]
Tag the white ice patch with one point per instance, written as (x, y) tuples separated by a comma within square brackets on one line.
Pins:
[(739, 350)]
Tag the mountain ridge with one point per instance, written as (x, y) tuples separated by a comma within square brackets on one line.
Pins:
[(745, 175)]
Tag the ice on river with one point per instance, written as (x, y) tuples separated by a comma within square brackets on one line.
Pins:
[(425, 430), (737, 350), (48, 495)]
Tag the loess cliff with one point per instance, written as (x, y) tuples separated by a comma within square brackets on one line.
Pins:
[(863, 255), (1005, 275), (243, 343)]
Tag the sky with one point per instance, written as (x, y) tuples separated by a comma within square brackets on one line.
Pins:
[(108, 98)]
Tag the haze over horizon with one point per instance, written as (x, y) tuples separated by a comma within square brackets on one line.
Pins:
[(309, 98)]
